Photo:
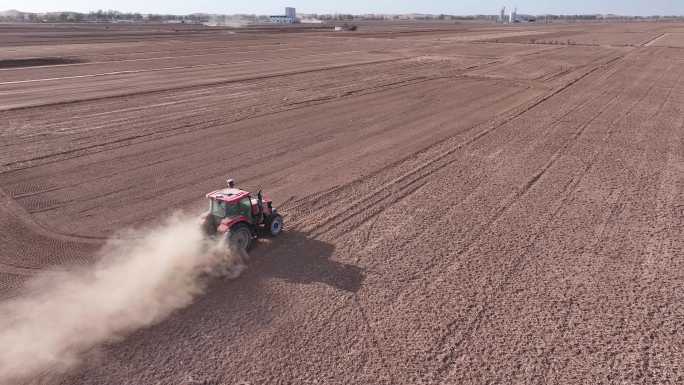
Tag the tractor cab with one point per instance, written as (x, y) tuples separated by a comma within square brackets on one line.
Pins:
[(231, 202), (235, 214)]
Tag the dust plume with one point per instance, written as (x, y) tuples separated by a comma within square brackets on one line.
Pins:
[(139, 280), (232, 21)]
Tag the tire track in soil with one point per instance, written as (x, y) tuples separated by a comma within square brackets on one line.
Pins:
[(338, 193), (414, 179), (454, 147), (653, 40), (19, 232), (16, 211)]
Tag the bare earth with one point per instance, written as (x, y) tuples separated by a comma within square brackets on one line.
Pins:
[(465, 204)]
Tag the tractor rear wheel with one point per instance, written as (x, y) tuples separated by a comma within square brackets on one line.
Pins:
[(239, 237), (275, 225)]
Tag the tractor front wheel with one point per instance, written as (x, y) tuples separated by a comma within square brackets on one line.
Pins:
[(239, 237), (275, 225)]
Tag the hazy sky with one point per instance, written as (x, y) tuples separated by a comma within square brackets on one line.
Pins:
[(458, 7)]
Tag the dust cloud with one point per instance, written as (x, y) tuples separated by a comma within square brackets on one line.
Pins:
[(139, 280), (228, 21)]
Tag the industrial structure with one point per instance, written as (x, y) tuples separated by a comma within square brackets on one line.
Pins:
[(291, 13), (290, 17), (512, 16)]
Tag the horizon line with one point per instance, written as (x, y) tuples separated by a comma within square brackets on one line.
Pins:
[(339, 13)]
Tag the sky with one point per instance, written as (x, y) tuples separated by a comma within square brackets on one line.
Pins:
[(454, 7)]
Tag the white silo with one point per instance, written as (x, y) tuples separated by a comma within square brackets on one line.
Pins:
[(291, 13)]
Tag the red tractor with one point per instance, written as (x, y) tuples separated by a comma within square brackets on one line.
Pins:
[(237, 216)]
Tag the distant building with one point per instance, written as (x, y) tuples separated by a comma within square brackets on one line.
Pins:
[(290, 17), (291, 13)]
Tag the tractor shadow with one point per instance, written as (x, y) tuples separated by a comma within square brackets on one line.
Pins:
[(295, 257)]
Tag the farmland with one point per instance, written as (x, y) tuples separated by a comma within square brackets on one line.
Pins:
[(464, 203)]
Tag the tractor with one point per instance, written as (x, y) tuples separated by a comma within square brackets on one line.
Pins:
[(239, 217)]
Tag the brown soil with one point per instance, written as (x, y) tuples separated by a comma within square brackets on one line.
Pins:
[(462, 206)]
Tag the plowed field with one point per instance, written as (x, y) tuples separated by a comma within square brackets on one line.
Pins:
[(464, 204)]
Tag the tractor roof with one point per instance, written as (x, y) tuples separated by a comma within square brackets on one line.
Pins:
[(230, 195)]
